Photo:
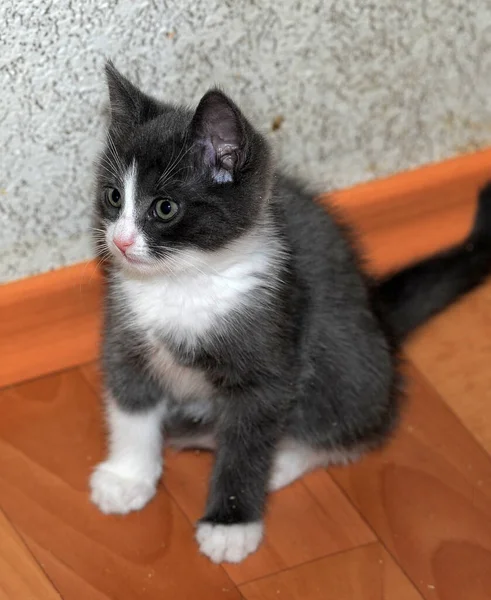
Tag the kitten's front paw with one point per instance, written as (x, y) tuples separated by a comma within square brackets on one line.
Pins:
[(229, 543), (113, 492)]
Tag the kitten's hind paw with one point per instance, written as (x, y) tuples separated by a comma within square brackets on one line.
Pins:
[(229, 543), (114, 493)]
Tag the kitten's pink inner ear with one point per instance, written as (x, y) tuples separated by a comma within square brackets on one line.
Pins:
[(219, 130)]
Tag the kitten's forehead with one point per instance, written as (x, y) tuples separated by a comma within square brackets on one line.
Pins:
[(156, 145)]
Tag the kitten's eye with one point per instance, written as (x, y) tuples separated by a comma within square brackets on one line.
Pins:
[(166, 209), (113, 197)]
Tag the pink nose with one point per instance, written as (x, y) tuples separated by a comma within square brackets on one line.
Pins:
[(123, 243)]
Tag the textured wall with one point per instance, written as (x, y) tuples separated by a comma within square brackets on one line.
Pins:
[(365, 89)]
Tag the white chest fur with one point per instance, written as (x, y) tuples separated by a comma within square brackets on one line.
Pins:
[(185, 306)]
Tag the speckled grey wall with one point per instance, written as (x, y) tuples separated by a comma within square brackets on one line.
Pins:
[(365, 89)]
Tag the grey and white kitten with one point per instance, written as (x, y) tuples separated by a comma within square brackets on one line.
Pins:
[(237, 317)]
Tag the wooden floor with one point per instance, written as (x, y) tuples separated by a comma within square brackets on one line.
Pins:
[(411, 522)]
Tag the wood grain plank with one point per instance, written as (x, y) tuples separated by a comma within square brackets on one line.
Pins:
[(92, 373), (454, 353), (427, 496), (50, 436), (367, 573), (297, 528), (70, 584), (21, 577)]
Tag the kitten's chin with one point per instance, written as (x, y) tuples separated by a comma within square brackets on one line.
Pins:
[(135, 266)]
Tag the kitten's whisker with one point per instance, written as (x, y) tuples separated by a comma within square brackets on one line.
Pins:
[(173, 162), (109, 171), (169, 172), (176, 260), (98, 230), (165, 175), (114, 152), (107, 164), (166, 170), (164, 178), (179, 259), (96, 267), (91, 275), (173, 175), (180, 159)]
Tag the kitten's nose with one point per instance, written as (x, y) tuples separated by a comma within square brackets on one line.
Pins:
[(123, 243)]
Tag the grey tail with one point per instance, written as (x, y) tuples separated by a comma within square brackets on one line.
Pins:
[(410, 297)]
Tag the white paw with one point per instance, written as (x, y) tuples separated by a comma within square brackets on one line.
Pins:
[(228, 543), (114, 492)]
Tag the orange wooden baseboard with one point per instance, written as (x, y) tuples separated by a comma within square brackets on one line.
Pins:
[(411, 215), (51, 322)]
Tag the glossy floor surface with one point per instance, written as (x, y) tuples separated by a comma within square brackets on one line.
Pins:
[(411, 522)]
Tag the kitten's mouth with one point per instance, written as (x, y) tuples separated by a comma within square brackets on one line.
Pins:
[(132, 260), (124, 258), (135, 261)]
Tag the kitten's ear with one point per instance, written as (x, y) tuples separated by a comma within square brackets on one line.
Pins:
[(219, 130), (129, 106)]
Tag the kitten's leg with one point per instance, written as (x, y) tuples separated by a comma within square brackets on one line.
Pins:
[(247, 436), (294, 459), (127, 479)]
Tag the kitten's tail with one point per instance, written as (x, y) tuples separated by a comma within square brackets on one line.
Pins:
[(410, 297)]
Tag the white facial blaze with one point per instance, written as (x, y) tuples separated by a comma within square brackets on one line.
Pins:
[(125, 229), (126, 226)]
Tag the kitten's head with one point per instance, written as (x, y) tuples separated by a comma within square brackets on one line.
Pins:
[(173, 184)]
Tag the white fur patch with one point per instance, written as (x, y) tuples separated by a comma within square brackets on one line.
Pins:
[(127, 480), (199, 288), (292, 460), (125, 227), (229, 543), (130, 183)]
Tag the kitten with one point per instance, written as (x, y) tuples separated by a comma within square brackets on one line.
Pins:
[(237, 317)]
